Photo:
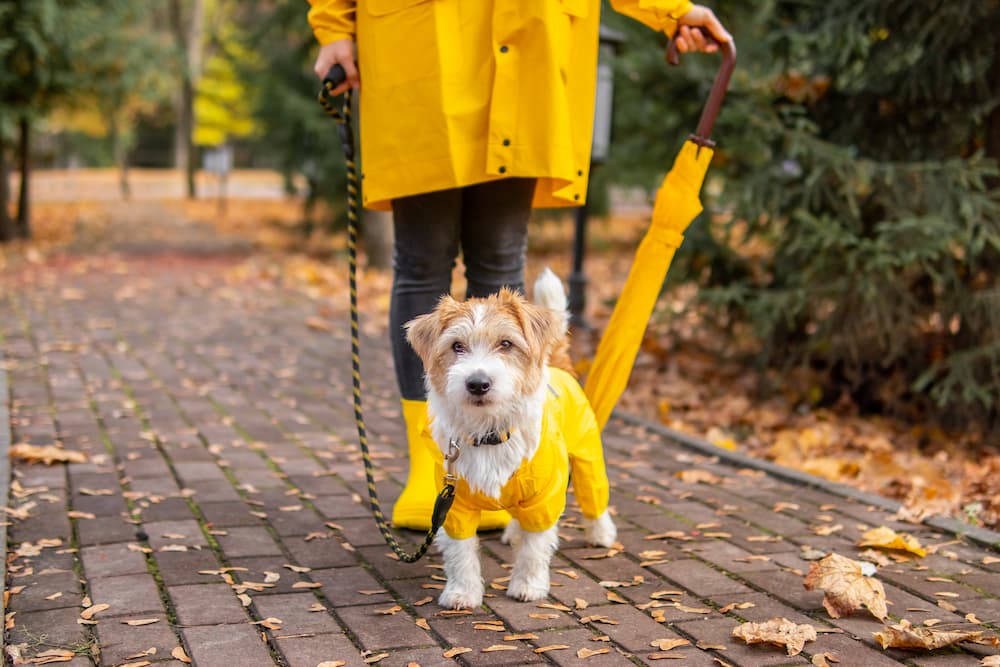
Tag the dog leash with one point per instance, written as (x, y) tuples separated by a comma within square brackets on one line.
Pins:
[(446, 497)]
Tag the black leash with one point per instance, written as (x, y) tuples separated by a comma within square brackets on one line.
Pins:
[(442, 504)]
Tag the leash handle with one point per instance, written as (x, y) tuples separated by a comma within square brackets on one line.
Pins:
[(334, 77), (703, 132)]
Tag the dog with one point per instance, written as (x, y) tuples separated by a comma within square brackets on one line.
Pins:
[(512, 422)]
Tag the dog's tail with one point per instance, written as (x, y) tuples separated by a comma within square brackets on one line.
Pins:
[(550, 294)]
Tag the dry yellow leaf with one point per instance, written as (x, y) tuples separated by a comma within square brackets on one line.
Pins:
[(307, 584), (549, 605), (520, 636), (457, 650), (498, 647), (271, 623), (180, 654), (140, 663), (53, 655), (551, 647), (332, 663), (886, 538), (389, 611), (141, 621), (47, 454), (90, 612), (422, 623), (904, 635), (777, 631), (821, 659), (695, 476), (543, 617), (845, 587), (591, 652), (667, 644)]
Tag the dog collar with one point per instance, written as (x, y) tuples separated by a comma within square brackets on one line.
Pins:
[(489, 438)]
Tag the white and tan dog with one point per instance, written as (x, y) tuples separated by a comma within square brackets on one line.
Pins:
[(511, 422)]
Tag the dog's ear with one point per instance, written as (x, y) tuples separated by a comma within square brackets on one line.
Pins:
[(423, 332), (543, 327)]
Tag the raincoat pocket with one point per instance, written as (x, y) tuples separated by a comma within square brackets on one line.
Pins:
[(383, 7), (580, 8)]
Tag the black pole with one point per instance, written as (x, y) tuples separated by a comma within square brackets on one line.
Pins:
[(577, 279)]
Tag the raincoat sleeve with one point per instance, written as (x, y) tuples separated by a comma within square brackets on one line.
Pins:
[(332, 19), (660, 15)]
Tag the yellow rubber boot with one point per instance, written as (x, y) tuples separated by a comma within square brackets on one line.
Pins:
[(415, 505)]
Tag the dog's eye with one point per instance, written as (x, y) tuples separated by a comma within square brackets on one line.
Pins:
[(506, 345), (458, 348)]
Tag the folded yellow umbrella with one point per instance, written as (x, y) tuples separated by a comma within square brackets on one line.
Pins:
[(677, 204)]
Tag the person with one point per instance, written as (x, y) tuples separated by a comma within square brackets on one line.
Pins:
[(471, 113)]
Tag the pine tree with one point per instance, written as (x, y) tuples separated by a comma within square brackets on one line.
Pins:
[(860, 149)]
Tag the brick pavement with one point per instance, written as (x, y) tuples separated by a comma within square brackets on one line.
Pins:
[(221, 509)]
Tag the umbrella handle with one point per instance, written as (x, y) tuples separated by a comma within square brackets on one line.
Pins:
[(718, 93)]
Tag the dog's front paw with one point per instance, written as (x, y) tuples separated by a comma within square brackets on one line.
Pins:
[(528, 589), (600, 531), (455, 597)]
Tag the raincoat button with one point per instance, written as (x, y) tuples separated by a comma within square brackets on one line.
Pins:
[(502, 170), (576, 197), (504, 49), (579, 172), (506, 142)]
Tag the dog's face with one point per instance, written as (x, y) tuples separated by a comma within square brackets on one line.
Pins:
[(484, 353)]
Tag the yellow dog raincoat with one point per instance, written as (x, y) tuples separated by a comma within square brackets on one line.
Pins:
[(536, 494)]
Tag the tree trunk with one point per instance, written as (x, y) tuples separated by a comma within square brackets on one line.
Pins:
[(7, 230), (376, 229), (120, 152), (188, 34), (23, 200)]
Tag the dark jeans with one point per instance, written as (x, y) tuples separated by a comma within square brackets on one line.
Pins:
[(487, 221)]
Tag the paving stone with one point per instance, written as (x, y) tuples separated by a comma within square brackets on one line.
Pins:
[(48, 591), (185, 567), (311, 651), (122, 643), (226, 645), (207, 604), (242, 541), (716, 631), (112, 559), (127, 594), (104, 530), (378, 631), (342, 586)]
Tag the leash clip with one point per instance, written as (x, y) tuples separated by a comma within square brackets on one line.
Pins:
[(454, 449)]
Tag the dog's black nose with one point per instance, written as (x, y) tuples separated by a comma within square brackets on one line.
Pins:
[(477, 384)]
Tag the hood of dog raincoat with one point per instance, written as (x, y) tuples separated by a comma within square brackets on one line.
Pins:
[(456, 93)]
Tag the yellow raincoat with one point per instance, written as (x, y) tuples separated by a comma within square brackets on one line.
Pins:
[(536, 494), (461, 92)]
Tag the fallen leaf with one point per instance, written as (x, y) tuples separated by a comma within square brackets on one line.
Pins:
[(332, 663), (139, 663), (498, 647), (422, 623), (47, 454), (667, 644), (777, 631), (990, 661), (141, 621), (389, 611), (90, 612), (904, 635), (458, 650), (821, 659), (271, 623), (307, 584), (591, 652), (53, 655), (180, 654), (887, 538), (845, 587), (551, 647), (695, 476), (543, 617), (372, 659), (549, 605), (520, 636)]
